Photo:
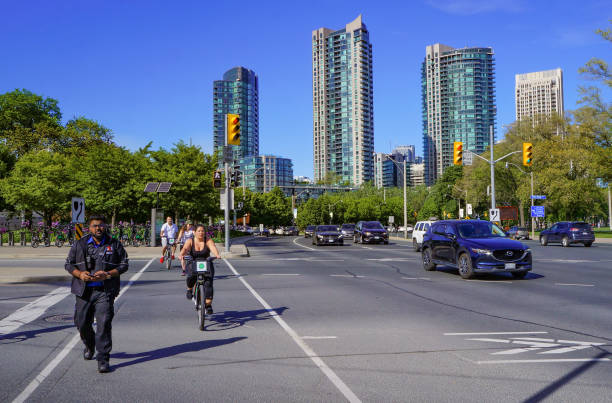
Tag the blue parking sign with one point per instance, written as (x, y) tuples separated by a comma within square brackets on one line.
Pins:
[(537, 211)]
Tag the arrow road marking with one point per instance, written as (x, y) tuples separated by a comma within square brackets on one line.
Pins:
[(535, 343)]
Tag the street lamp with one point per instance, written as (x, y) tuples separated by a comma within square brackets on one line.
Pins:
[(531, 174), (405, 207), (331, 215)]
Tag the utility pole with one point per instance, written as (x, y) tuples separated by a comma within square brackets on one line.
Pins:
[(405, 207), (492, 162), (227, 193), (532, 218)]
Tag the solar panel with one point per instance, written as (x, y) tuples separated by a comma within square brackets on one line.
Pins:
[(151, 187), (164, 187)]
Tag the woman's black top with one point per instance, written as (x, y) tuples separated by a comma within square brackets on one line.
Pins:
[(201, 254)]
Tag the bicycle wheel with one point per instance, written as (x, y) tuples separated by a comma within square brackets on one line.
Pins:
[(34, 243), (168, 260), (201, 311)]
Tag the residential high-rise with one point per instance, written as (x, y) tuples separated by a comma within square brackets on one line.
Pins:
[(417, 174), (237, 93), (264, 172), (539, 93), (458, 103), (406, 151), (343, 111)]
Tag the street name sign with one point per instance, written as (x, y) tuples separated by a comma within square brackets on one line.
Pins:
[(537, 211), (538, 197)]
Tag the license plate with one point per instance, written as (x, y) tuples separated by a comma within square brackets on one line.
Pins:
[(376, 237), (201, 267), (331, 241), (510, 266), (585, 233)]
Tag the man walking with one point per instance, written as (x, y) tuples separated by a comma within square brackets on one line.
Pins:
[(95, 262)]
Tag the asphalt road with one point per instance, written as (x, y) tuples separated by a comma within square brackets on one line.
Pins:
[(295, 322)]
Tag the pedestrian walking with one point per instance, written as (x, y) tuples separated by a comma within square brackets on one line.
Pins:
[(95, 262)]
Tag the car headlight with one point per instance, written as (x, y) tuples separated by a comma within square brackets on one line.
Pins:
[(319, 236), (528, 250), (482, 251), (368, 233)]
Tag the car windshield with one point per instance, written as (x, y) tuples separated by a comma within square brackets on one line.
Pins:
[(521, 229), (310, 227), (325, 228), (348, 226), (481, 229), (372, 225)]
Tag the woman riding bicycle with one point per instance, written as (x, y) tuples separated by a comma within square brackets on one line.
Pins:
[(184, 234), (199, 248)]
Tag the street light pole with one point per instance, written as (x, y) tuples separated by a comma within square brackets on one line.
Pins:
[(532, 218), (227, 194), (492, 162), (405, 207)]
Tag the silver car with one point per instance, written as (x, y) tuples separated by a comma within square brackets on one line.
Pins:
[(348, 231)]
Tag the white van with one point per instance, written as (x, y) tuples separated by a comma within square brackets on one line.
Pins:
[(419, 230)]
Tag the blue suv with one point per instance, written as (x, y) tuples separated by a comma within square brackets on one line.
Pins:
[(568, 232), (474, 246)]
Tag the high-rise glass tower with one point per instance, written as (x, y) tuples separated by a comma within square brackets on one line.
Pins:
[(458, 99), (237, 93), (343, 111)]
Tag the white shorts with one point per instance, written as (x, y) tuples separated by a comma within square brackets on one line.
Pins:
[(165, 241)]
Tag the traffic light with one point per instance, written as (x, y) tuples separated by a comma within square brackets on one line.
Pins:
[(237, 178), (527, 154), (217, 183), (233, 129), (458, 153)]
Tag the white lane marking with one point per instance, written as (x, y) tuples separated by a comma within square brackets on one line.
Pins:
[(492, 281), (416, 278), (33, 310), (318, 337), (42, 375), (576, 285), (281, 274), (14, 302), (543, 361), (395, 259), (345, 275), (331, 375), (299, 244), (490, 333)]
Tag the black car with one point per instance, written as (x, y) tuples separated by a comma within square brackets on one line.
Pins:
[(370, 231), (474, 246), (348, 231), (568, 232), (309, 231), (292, 231), (327, 235)]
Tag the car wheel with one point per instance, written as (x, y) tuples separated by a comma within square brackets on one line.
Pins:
[(386, 242), (519, 274), (565, 242), (341, 243), (465, 266), (428, 265), (415, 245), (544, 240), (588, 244)]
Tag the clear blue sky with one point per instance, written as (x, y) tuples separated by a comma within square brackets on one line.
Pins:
[(145, 68)]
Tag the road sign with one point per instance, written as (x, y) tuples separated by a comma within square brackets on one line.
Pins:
[(600, 183), (78, 210), (469, 209), (78, 231), (391, 219), (537, 211), (494, 214), (240, 205), (228, 155), (461, 212), (538, 197), (294, 213), (231, 201)]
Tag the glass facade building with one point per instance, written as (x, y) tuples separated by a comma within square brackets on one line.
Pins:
[(458, 103), (343, 111), (264, 172), (237, 93)]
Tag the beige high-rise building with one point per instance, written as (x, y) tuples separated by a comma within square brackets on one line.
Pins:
[(342, 102), (539, 93)]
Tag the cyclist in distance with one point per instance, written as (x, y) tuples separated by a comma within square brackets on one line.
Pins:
[(199, 248), (168, 231), (184, 234)]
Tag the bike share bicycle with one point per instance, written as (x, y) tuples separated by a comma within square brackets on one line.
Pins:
[(168, 255), (204, 272)]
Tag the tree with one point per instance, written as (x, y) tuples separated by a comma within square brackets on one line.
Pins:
[(7, 162), (41, 181)]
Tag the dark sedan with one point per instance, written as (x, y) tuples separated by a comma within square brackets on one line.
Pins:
[(568, 232), (348, 231), (292, 231), (370, 231), (474, 246), (327, 235), (518, 233), (309, 230)]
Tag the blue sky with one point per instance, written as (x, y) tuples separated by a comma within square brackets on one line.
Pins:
[(145, 68)]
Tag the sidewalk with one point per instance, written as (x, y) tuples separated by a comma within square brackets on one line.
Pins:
[(46, 264)]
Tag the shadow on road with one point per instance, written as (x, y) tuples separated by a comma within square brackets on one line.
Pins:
[(501, 276), (30, 334), (231, 319), (171, 351)]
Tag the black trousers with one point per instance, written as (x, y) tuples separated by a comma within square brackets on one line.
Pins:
[(95, 303), (192, 277)]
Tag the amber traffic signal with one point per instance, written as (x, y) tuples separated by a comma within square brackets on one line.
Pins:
[(527, 154), (458, 153), (233, 129)]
